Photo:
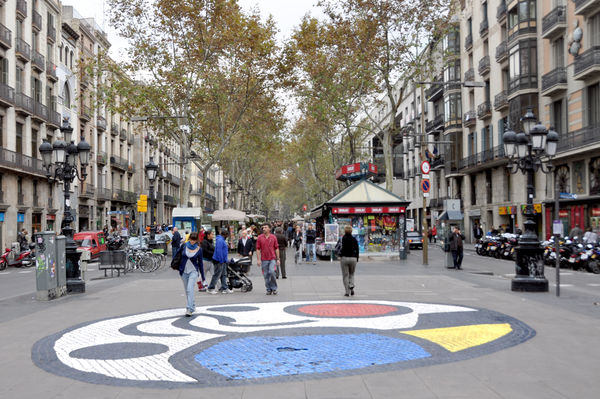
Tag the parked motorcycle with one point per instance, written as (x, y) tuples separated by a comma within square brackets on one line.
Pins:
[(24, 259), (115, 242)]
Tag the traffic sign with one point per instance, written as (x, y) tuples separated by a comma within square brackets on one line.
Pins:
[(425, 167), (142, 209), (425, 185), (143, 197)]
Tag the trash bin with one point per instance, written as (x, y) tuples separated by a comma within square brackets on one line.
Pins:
[(50, 273)]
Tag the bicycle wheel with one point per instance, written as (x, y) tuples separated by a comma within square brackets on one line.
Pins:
[(146, 264)]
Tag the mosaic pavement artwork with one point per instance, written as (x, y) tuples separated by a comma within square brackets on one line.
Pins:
[(273, 342)]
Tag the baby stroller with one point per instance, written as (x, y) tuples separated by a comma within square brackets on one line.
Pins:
[(236, 273)]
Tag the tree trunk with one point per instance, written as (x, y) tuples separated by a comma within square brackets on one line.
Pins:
[(387, 159)]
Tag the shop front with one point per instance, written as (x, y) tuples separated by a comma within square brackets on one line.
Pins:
[(377, 217), (508, 216), (583, 213)]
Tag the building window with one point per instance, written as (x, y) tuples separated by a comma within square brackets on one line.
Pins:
[(453, 108), (488, 186), (34, 143), (558, 52), (593, 96), (4, 71), (473, 189), (452, 71), (19, 80), (558, 118), (523, 66), (66, 96), (452, 42), (522, 15), (19, 149), (594, 29)]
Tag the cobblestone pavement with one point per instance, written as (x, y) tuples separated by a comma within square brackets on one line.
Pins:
[(410, 331)]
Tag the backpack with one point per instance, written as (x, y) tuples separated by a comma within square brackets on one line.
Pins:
[(338, 248), (176, 261)]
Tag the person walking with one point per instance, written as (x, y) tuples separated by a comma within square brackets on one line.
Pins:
[(245, 244), (191, 264), (297, 244), (290, 234), (208, 250), (456, 246), (175, 241), (477, 232), (282, 242), (348, 260), (267, 251), (434, 233), (311, 237), (220, 264)]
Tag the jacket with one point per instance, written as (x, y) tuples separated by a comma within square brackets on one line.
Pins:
[(281, 241), (221, 250), (311, 236), (297, 237), (208, 249), (454, 241), (196, 261), (245, 250), (349, 247), (176, 240)]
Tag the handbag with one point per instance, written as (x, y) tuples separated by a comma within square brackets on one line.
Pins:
[(176, 261)]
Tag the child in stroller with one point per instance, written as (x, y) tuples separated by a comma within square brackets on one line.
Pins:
[(236, 273)]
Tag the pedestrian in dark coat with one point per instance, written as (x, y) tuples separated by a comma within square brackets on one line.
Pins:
[(282, 241), (245, 244), (190, 266), (175, 241), (456, 246), (348, 260)]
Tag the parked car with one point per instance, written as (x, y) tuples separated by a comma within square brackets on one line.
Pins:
[(93, 241), (415, 239)]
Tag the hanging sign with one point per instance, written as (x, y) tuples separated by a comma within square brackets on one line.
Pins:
[(365, 210)]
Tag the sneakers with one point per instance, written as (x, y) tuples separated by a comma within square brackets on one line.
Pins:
[(274, 292), (269, 292), (211, 291), (227, 291), (188, 313)]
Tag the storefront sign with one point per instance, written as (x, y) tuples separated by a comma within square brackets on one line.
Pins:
[(355, 171), (537, 208), (366, 210), (20, 217), (595, 211), (1, 216), (474, 212), (563, 213), (50, 217), (507, 210)]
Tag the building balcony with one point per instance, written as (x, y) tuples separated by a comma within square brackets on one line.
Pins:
[(469, 118), (51, 34), (522, 83), (103, 194), (434, 92), (501, 101), (85, 113), (22, 8), (470, 75), (123, 135), (36, 21), (101, 123), (22, 50), (114, 129), (484, 110), (469, 42), (554, 82), (23, 104), (101, 158), (88, 191), (40, 112), (587, 65), (54, 119), (436, 123), (171, 200), (5, 37), (586, 7), (453, 122), (119, 163), (501, 52), (51, 71), (22, 163), (483, 27), (38, 62), (579, 138), (7, 95), (501, 12), (484, 65), (554, 23)]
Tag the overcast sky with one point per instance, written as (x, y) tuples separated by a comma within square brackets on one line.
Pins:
[(287, 14)]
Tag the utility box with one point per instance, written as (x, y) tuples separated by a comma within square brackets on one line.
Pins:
[(50, 273)]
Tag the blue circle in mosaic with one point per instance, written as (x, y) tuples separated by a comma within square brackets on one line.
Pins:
[(262, 357)]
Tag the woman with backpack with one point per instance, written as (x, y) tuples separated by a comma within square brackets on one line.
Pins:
[(189, 267), (348, 259)]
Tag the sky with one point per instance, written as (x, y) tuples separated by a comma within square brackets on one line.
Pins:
[(287, 14)]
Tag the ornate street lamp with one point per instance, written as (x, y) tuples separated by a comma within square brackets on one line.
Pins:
[(528, 152), (64, 169), (151, 172)]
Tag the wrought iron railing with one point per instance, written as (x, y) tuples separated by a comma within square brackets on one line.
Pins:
[(5, 37), (557, 16), (470, 75), (484, 110), (469, 41), (501, 51), (484, 65), (501, 10), (555, 77), (36, 20), (7, 93), (500, 100), (588, 59), (579, 138), (22, 49)]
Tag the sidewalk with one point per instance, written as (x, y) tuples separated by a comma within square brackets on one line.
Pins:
[(550, 353)]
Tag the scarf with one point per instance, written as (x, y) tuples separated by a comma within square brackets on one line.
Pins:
[(192, 248)]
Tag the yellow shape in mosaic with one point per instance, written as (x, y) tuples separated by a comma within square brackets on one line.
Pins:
[(456, 339)]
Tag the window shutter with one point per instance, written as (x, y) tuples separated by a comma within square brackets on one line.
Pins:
[(491, 137)]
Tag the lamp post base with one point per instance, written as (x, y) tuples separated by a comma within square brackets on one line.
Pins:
[(75, 286), (529, 284)]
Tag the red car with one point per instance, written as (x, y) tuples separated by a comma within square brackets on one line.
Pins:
[(93, 241)]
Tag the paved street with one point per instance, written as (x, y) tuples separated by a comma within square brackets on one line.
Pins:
[(410, 331)]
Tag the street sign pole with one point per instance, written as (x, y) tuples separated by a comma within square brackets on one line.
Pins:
[(425, 168)]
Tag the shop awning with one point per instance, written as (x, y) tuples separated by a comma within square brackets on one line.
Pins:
[(228, 215), (451, 215), (317, 212), (365, 192)]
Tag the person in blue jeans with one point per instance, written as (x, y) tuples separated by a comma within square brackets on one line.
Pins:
[(311, 237), (220, 264), (191, 264)]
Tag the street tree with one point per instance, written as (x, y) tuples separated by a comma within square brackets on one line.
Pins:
[(207, 61), (386, 37)]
